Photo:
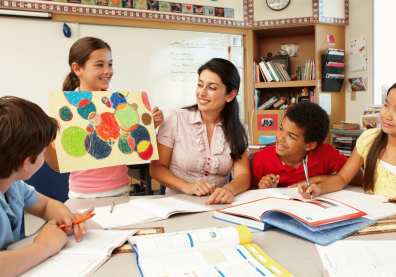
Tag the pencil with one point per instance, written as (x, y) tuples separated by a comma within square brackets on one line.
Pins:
[(78, 220)]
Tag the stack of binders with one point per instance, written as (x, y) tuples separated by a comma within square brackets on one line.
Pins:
[(332, 69)]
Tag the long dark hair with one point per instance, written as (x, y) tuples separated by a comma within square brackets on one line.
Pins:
[(79, 53), (376, 151), (233, 129)]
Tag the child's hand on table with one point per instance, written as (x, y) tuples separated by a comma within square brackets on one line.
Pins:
[(53, 238), (269, 181), (76, 229), (158, 117)]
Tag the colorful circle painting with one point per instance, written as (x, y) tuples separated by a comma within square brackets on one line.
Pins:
[(65, 114), (73, 141)]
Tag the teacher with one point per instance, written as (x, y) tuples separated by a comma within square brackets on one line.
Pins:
[(198, 145)]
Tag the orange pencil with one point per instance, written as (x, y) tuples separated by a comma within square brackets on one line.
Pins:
[(78, 220)]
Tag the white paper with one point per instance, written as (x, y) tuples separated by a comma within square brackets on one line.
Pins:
[(236, 56), (359, 255), (325, 102), (357, 54)]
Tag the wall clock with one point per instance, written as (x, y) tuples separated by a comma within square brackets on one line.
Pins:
[(278, 5)]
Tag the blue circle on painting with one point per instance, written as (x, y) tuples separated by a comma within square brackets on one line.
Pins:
[(86, 110), (75, 97), (116, 99), (99, 149), (140, 134)]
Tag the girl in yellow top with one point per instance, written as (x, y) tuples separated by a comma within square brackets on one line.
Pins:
[(376, 149)]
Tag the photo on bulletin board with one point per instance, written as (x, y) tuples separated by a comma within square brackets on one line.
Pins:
[(267, 122), (356, 84), (102, 128)]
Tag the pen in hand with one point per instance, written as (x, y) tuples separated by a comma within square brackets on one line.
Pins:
[(306, 173), (112, 208), (78, 220)]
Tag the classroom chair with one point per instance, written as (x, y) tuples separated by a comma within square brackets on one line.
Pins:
[(50, 183)]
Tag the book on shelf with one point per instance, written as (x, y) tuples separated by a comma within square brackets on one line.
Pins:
[(272, 70), (256, 98), (344, 126), (268, 104), (78, 259), (226, 251), (284, 72), (144, 210), (266, 73)]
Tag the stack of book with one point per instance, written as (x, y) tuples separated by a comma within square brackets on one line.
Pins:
[(332, 68), (344, 144), (272, 71), (307, 72)]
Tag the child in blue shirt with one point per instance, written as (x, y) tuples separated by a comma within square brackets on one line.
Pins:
[(25, 133)]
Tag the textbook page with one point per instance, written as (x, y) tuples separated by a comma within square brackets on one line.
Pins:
[(315, 212), (252, 195), (174, 243), (143, 210), (233, 261), (359, 255), (360, 273)]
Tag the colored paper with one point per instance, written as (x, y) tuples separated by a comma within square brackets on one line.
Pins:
[(102, 128), (267, 122)]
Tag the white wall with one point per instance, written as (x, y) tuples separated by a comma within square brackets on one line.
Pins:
[(296, 9), (334, 8), (361, 23)]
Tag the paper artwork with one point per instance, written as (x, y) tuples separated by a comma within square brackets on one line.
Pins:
[(356, 84), (267, 122), (102, 128)]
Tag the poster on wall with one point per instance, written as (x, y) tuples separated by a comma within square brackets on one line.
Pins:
[(267, 122), (102, 128), (357, 54)]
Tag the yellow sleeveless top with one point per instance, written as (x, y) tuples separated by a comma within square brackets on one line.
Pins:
[(385, 182)]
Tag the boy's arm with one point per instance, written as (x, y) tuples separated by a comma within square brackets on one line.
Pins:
[(47, 243), (47, 208)]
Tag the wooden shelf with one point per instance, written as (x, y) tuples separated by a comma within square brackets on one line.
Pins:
[(289, 84)]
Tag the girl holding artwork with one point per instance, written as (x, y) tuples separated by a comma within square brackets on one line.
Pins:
[(376, 150), (198, 145), (91, 65)]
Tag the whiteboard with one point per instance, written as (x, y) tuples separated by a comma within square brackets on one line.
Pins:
[(163, 63)]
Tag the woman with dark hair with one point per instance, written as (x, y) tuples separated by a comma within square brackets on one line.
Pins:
[(376, 150), (198, 145)]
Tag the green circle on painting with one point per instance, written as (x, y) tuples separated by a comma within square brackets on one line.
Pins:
[(73, 139), (123, 145), (65, 114)]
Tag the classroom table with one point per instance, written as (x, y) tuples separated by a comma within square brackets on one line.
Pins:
[(293, 253)]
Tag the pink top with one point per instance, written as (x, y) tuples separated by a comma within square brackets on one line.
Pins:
[(99, 179), (192, 159)]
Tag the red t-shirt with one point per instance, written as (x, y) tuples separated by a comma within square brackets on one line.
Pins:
[(323, 160)]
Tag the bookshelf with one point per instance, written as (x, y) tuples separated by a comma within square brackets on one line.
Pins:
[(312, 41)]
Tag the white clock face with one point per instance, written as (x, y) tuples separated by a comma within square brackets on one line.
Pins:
[(278, 5)]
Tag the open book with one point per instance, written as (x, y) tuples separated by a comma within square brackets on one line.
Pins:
[(77, 259), (321, 220), (226, 252), (375, 206), (144, 210)]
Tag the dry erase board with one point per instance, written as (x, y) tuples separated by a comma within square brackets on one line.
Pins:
[(161, 62)]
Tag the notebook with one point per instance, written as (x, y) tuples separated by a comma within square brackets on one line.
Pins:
[(223, 252), (144, 210), (77, 259)]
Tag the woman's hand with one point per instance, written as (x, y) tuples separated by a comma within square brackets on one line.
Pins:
[(158, 117), (199, 188), (269, 181), (222, 195)]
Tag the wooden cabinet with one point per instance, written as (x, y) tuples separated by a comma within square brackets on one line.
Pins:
[(312, 42)]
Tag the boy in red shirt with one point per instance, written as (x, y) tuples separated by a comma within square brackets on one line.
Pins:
[(300, 136)]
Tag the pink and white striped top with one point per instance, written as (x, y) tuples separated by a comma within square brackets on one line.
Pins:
[(192, 159)]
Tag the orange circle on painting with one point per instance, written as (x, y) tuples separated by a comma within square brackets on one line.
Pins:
[(146, 119)]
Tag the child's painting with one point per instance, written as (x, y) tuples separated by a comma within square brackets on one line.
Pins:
[(127, 3), (370, 121), (229, 13), (198, 10), (141, 4), (164, 6), (187, 8), (102, 128), (176, 7), (219, 12), (356, 84), (153, 5), (209, 11)]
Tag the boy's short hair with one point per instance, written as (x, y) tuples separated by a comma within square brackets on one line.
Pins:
[(25, 130), (312, 118)]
